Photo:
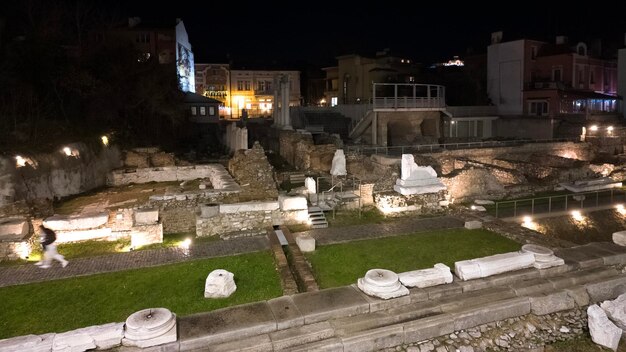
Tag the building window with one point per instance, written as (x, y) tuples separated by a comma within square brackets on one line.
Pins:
[(194, 111), (239, 85), (246, 85), (592, 78), (203, 110), (142, 38), (533, 52), (211, 111), (538, 108), (260, 86), (268, 85), (333, 101), (556, 75)]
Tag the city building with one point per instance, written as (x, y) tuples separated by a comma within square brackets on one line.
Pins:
[(350, 82), (250, 90), (201, 109), (163, 41), (561, 79)]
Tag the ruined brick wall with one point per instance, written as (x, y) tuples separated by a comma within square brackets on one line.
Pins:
[(253, 172), (473, 183), (148, 157), (176, 220), (391, 202)]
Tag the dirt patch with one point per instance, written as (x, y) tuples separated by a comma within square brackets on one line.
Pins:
[(594, 227)]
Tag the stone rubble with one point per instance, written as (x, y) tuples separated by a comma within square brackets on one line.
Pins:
[(602, 330)]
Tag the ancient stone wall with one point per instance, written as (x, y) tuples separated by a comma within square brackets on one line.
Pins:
[(56, 175), (237, 224), (524, 333), (254, 173), (391, 202), (299, 149), (148, 157), (177, 220)]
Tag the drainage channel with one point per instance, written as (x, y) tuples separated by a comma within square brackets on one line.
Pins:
[(295, 273)]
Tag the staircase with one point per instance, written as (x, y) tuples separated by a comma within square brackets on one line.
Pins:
[(362, 125), (296, 178), (317, 218)]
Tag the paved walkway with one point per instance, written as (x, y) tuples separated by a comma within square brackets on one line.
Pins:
[(28, 273)]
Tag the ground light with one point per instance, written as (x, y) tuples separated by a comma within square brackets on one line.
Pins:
[(620, 209), (185, 244), (19, 161), (577, 215), (105, 140)]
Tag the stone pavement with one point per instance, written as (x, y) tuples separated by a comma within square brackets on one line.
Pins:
[(28, 273)]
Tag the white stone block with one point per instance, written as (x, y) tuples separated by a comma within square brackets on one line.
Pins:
[(484, 202), (30, 343), (73, 341), (602, 330), (83, 235), (474, 224), (292, 203), (150, 327), (616, 310), (76, 222), (219, 284), (619, 238), (14, 226), (544, 257), (492, 265), (432, 188), (338, 165), (143, 235), (245, 207), (309, 184), (410, 170), (382, 283), (306, 243), (440, 274), (146, 216)]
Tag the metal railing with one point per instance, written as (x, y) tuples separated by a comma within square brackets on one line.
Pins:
[(426, 148), (408, 96), (559, 203), (353, 184)]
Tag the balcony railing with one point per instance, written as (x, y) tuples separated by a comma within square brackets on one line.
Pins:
[(394, 96)]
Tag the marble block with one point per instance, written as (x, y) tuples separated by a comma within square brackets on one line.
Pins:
[(219, 284), (410, 170), (146, 216), (14, 226), (309, 184), (484, 202), (602, 330), (338, 166), (76, 222), (288, 203), (474, 224), (616, 310), (438, 275), (150, 327), (492, 265), (306, 243), (73, 341), (30, 343), (619, 238), (544, 257), (382, 283)]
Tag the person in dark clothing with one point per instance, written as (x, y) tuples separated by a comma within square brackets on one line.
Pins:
[(48, 237)]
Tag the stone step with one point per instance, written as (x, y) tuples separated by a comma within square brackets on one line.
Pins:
[(320, 226), (301, 335)]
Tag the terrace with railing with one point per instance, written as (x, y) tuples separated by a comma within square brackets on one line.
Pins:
[(409, 97)]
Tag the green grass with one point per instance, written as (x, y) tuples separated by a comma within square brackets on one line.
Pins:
[(342, 264), (351, 217), (580, 344), (62, 305)]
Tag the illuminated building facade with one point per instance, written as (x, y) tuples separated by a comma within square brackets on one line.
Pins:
[(252, 90), (535, 78)]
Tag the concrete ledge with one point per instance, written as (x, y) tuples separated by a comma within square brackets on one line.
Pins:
[(534, 286), (604, 289), (443, 290), (74, 236), (328, 345), (251, 206), (330, 303), (427, 328), (551, 303), (301, 335), (579, 294), (285, 312), (491, 312), (376, 304), (374, 340), (260, 343), (227, 324)]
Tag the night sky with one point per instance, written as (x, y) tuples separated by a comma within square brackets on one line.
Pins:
[(316, 32)]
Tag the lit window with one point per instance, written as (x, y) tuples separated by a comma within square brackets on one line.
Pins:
[(333, 101), (248, 106), (194, 111), (203, 110)]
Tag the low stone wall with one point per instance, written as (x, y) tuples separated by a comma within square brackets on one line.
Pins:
[(238, 219), (176, 220), (215, 172), (393, 203)]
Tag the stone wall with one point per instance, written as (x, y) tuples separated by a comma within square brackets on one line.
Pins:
[(524, 333), (254, 173), (391, 202), (168, 173), (177, 220), (148, 157), (56, 175), (238, 219), (299, 149)]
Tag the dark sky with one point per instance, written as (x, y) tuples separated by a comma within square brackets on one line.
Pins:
[(317, 32)]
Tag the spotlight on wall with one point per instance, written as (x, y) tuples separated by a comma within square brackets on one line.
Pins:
[(620, 209), (105, 140), (593, 128), (19, 161), (67, 151)]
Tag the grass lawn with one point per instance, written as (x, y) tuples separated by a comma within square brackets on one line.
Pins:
[(342, 264), (581, 344), (68, 304)]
